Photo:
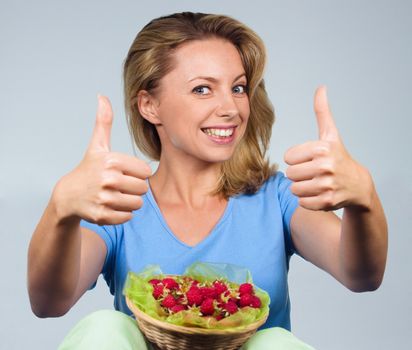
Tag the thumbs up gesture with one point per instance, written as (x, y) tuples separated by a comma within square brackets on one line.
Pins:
[(106, 186), (324, 174)]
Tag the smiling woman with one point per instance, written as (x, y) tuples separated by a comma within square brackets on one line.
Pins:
[(196, 102), (182, 51), (198, 116)]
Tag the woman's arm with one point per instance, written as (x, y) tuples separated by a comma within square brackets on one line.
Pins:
[(353, 250), (105, 188), (63, 262), (326, 178)]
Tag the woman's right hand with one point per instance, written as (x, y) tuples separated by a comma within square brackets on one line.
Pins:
[(106, 186)]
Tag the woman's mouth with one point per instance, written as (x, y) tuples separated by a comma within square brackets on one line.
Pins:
[(219, 132), (220, 136)]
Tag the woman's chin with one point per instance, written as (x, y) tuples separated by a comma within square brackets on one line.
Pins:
[(219, 158)]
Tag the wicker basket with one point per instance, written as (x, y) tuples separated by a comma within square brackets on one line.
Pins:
[(167, 336)]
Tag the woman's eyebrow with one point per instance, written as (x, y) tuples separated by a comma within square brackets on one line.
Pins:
[(214, 80)]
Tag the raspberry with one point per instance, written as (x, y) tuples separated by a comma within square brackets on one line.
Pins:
[(220, 287), (255, 302), (219, 317), (207, 307), (157, 291), (169, 301), (245, 288), (154, 281), (170, 283), (225, 297), (217, 298), (194, 296), (245, 300), (230, 307), (208, 292), (177, 308)]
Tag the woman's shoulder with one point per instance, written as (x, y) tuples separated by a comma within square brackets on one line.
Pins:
[(277, 182)]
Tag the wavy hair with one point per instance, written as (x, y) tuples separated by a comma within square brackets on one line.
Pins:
[(150, 58)]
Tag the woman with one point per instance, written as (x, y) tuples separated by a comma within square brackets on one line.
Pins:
[(196, 102)]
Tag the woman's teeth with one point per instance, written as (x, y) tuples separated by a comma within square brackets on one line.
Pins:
[(219, 132)]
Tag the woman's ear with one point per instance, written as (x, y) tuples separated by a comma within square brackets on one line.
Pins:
[(147, 107)]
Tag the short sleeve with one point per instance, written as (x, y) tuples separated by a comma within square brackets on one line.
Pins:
[(288, 204), (109, 236)]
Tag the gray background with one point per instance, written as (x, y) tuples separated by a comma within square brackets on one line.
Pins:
[(55, 58)]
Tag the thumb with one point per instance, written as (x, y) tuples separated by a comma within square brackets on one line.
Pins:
[(326, 124), (102, 129)]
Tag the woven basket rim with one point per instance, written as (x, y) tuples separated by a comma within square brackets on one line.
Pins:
[(190, 330)]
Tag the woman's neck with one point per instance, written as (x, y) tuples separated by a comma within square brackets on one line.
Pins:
[(187, 183)]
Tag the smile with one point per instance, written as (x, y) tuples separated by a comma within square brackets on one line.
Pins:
[(219, 132)]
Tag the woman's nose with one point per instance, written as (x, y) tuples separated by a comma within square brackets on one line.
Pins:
[(227, 106)]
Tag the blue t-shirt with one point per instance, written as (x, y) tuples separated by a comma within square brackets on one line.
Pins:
[(253, 232)]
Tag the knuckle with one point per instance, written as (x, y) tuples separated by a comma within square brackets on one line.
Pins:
[(100, 216), (111, 161), (294, 188), (328, 184), (103, 199), (287, 157), (109, 180), (303, 203), (138, 203), (148, 169), (144, 168), (145, 187), (322, 149), (329, 199), (125, 217), (326, 167), (100, 221)]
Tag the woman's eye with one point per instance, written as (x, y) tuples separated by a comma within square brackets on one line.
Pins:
[(240, 89), (201, 90)]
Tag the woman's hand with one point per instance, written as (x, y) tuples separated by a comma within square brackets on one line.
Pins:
[(105, 187), (325, 176)]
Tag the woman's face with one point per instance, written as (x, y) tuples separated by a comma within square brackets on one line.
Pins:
[(203, 105)]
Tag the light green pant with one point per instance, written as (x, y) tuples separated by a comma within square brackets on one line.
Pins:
[(113, 330)]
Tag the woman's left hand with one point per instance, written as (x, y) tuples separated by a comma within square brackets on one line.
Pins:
[(325, 175)]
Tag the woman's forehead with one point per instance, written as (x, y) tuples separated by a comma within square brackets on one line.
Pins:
[(215, 58)]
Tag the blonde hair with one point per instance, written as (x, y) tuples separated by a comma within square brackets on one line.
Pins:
[(150, 58)]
